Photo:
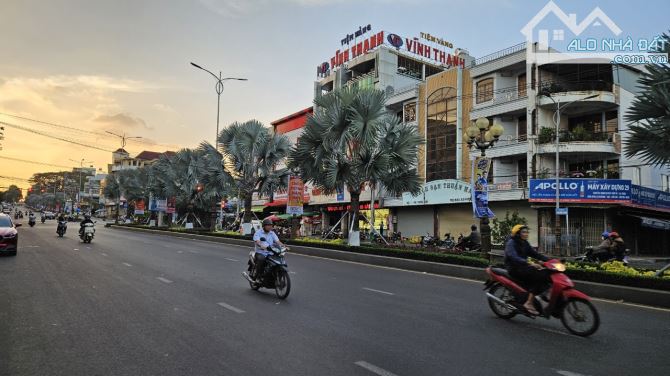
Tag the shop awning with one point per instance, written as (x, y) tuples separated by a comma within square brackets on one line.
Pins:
[(276, 203)]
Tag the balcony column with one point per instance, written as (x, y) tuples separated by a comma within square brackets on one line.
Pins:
[(603, 122)]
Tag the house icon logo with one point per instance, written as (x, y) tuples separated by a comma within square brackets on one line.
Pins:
[(533, 33)]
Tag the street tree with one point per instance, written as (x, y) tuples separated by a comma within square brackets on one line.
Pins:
[(12, 194), (352, 141), (650, 135), (254, 155)]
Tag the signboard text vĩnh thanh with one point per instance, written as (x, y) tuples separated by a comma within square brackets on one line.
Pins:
[(432, 50)]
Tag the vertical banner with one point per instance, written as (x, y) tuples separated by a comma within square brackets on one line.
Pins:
[(340, 194), (296, 190), (139, 207), (480, 194), (171, 205)]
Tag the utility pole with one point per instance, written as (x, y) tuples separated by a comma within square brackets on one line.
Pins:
[(79, 189), (124, 139)]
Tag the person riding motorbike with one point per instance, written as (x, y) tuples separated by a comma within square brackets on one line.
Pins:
[(618, 246), (62, 221), (87, 219), (532, 275), (261, 247), (473, 240)]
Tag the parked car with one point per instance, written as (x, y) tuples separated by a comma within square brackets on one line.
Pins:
[(49, 215), (9, 237)]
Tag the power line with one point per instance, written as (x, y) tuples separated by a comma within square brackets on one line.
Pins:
[(34, 162), (54, 136)]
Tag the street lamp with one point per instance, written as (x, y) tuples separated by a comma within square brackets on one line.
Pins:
[(219, 90), (482, 135), (557, 122)]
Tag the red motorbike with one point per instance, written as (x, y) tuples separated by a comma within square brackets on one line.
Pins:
[(506, 298)]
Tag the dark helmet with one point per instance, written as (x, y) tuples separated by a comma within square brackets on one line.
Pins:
[(473, 227), (87, 216), (267, 221)]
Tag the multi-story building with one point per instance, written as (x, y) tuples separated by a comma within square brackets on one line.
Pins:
[(593, 100)]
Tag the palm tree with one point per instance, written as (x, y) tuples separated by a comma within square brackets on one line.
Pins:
[(650, 137), (124, 183), (253, 154), (351, 140)]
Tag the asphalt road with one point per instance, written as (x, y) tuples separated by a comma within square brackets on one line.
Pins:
[(138, 304)]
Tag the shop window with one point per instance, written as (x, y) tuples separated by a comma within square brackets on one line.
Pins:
[(409, 67), (441, 135), (485, 90), (521, 128)]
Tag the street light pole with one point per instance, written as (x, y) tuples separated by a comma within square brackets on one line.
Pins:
[(81, 167), (557, 122), (482, 136), (219, 89)]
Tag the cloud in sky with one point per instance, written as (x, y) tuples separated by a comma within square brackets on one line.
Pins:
[(122, 121)]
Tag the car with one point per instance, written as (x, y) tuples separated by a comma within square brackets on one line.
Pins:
[(49, 215), (9, 237)]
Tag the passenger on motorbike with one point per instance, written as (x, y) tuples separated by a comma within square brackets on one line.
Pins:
[(532, 275), (87, 219), (604, 250), (261, 247), (618, 246)]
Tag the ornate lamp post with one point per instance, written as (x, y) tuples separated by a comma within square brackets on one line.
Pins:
[(482, 135)]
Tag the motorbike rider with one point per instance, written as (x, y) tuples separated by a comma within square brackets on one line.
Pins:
[(534, 276), (604, 250), (473, 240), (261, 247), (618, 246), (87, 219), (31, 217)]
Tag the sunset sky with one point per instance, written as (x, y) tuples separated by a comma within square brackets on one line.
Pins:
[(123, 65)]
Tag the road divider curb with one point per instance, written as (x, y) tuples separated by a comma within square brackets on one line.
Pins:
[(657, 298)]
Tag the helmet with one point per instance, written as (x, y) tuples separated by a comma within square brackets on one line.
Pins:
[(605, 234), (267, 221), (614, 234), (517, 228), (473, 227)]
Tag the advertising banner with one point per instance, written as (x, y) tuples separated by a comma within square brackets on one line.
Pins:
[(161, 205), (480, 192), (171, 205), (650, 198), (580, 190), (139, 207), (446, 191), (296, 189), (153, 204)]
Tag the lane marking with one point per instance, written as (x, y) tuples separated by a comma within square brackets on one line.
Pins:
[(180, 251), (127, 264), (88, 247), (75, 249), (378, 291), (32, 246), (231, 259), (374, 369), (229, 307), (104, 254), (568, 373), (616, 302), (163, 279)]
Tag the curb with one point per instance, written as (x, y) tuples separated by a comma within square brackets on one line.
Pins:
[(657, 298)]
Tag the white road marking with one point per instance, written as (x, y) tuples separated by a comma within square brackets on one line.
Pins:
[(163, 279), (231, 259), (104, 254), (32, 246), (76, 249), (374, 369), (127, 264), (379, 291), (229, 307), (88, 247), (568, 373), (180, 251)]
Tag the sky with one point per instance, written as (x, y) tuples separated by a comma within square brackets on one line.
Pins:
[(87, 67)]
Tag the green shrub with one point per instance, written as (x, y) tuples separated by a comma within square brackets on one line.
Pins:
[(500, 229), (546, 135)]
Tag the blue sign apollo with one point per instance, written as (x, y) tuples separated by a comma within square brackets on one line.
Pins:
[(580, 190)]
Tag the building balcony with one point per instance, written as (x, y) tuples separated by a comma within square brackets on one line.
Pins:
[(505, 147), (502, 103), (603, 143), (607, 95), (498, 60)]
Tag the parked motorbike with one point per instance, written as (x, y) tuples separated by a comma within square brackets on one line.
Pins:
[(88, 232), (62, 228), (428, 240), (275, 274), (506, 298)]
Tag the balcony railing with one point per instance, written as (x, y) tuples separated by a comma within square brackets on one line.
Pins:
[(502, 97), (510, 140), (548, 135), (498, 54), (558, 86)]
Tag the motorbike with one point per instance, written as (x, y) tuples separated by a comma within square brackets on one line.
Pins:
[(428, 240), (62, 227), (275, 276), (87, 234), (592, 255), (44, 219), (574, 308), (31, 221)]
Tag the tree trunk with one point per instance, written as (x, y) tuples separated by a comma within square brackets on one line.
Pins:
[(353, 211), (247, 209)]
